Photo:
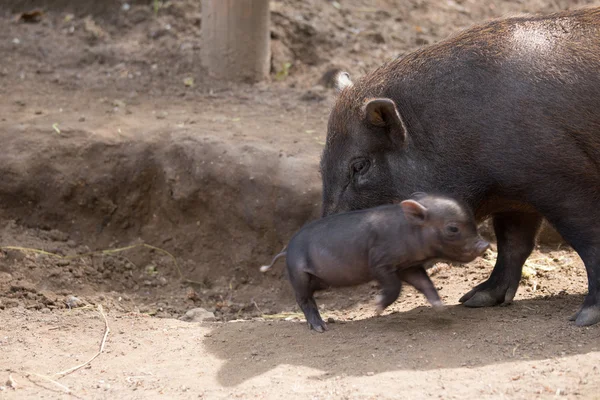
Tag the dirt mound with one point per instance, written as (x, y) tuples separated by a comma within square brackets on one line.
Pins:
[(198, 196)]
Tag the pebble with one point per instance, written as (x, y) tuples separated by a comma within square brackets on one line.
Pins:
[(198, 315), (73, 302)]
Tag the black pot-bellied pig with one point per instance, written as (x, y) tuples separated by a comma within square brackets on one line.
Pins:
[(504, 116), (388, 244)]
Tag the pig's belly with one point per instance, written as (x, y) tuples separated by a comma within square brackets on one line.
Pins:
[(339, 267)]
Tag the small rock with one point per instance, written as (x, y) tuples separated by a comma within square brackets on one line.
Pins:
[(74, 302), (10, 383), (198, 315), (331, 320), (376, 37), (14, 254), (57, 235), (5, 277), (370, 373), (94, 31), (162, 281), (118, 103), (192, 295)]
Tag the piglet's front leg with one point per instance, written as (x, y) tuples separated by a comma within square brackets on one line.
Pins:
[(417, 276)]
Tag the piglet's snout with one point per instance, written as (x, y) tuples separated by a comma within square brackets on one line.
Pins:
[(481, 246)]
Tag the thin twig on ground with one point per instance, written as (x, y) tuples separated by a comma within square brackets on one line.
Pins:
[(61, 374), (102, 344), (47, 378)]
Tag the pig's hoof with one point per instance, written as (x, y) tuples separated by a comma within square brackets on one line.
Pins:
[(480, 299), (574, 316), (587, 316), (488, 294), (319, 327)]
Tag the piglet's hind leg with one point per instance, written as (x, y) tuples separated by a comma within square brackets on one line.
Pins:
[(390, 286), (304, 285)]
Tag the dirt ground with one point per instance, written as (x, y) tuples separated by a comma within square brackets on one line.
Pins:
[(129, 179)]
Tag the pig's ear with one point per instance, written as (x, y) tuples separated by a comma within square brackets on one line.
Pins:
[(414, 211), (384, 114)]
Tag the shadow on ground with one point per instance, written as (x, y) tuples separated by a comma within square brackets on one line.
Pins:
[(420, 339)]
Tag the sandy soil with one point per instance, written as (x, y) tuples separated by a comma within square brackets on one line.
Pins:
[(105, 147)]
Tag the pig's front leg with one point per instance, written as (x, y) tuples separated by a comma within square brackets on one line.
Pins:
[(417, 276), (390, 286)]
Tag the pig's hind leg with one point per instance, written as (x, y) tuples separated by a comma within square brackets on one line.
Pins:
[(581, 230), (390, 283), (305, 285)]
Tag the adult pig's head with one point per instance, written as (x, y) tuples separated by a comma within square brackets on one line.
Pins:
[(367, 145)]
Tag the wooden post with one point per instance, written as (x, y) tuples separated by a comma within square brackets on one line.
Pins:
[(236, 39)]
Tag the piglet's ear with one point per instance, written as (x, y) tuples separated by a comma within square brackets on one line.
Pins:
[(414, 211), (383, 113)]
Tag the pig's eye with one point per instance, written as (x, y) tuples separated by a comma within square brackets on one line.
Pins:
[(360, 166), (452, 229)]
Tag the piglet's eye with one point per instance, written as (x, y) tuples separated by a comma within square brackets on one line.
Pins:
[(452, 229)]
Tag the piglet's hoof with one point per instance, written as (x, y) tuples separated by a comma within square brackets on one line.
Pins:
[(439, 306), (379, 305)]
